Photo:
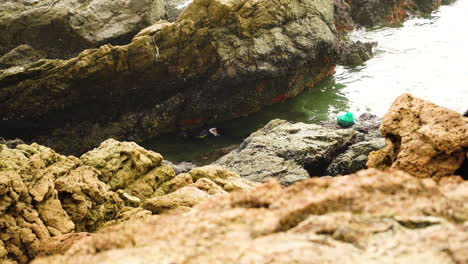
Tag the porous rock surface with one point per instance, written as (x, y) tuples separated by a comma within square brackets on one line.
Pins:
[(297, 151), (423, 139), (129, 167), (368, 217), (63, 28), (189, 189), (44, 194), (220, 60), (45, 197)]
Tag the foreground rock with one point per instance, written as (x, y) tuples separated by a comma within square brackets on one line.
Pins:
[(422, 139), (44, 194), (292, 152), (218, 61), (63, 28), (129, 167), (368, 217), (189, 189)]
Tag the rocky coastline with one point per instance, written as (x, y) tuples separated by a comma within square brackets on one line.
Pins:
[(95, 78), (119, 202), (218, 61)]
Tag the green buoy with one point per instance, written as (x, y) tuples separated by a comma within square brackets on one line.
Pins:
[(345, 120)]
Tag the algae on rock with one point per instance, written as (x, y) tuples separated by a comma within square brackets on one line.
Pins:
[(220, 60), (44, 195)]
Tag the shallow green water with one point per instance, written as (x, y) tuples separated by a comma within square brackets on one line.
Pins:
[(425, 57)]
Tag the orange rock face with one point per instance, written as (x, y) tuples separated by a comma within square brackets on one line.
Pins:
[(368, 217), (423, 139)]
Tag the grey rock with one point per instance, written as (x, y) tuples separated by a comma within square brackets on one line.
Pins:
[(11, 143), (181, 167), (354, 158), (367, 140), (355, 53), (288, 152), (292, 152), (63, 28), (20, 55), (368, 123)]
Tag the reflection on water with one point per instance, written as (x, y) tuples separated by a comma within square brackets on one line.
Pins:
[(424, 57)]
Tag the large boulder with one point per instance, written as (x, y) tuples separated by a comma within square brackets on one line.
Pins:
[(218, 61), (292, 152), (369, 217), (63, 28), (422, 138)]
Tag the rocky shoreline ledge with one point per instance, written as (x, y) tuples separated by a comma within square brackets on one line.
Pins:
[(120, 203), (82, 74), (218, 61)]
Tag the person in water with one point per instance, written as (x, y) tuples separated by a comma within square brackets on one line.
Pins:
[(200, 134), (206, 132)]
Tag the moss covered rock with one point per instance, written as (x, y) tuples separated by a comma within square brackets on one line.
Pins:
[(219, 60)]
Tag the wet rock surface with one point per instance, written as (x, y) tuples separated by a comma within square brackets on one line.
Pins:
[(368, 217), (230, 57), (292, 152), (61, 29), (371, 13), (422, 138), (355, 53)]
